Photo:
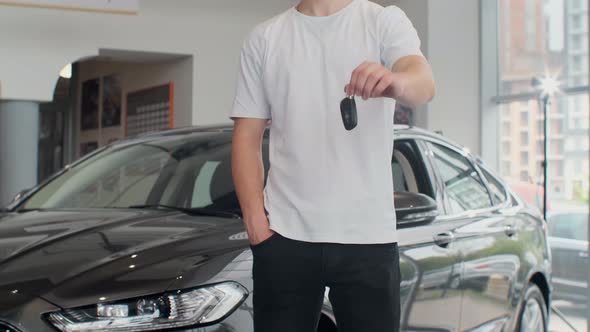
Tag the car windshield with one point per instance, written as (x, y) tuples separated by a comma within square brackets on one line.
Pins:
[(188, 171)]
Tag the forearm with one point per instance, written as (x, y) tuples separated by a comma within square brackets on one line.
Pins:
[(419, 87), (248, 175)]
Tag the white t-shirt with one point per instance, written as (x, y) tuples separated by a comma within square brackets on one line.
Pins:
[(325, 184)]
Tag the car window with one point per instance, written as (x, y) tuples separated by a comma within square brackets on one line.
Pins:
[(213, 185), (464, 189), (409, 172), (399, 181), (117, 179), (572, 226), (497, 190), (203, 183), (187, 171)]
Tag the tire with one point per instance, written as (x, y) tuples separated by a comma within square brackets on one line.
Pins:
[(533, 314)]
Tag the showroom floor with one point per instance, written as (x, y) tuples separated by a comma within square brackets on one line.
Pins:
[(575, 315)]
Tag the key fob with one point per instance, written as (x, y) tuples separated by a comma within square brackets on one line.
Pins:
[(349, 115)]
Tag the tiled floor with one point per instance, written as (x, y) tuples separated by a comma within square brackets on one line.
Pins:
[(575, 314)]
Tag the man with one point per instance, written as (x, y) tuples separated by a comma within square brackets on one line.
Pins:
[(326, 217)]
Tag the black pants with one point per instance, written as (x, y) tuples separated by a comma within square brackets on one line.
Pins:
[(290, 279)]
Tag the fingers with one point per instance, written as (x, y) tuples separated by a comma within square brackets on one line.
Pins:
[(384, 83), (353, 86), (369, 80), (372, 81), (366, 77)]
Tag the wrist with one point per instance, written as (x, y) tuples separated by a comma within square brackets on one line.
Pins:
[(255, 220), (398, 85)]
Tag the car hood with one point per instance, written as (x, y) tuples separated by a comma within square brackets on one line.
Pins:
[(78, 257)]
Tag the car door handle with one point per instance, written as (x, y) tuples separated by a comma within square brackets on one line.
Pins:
[(444, 239), (510, 230), (583, 254)]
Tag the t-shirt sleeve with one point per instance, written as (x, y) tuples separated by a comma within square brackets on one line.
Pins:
[(250, 100), (398, 36)]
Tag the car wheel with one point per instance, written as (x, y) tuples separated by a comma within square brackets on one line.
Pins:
[(455, 282), (533, 315)]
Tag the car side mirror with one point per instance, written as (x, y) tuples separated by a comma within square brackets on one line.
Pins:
[(414, 209)]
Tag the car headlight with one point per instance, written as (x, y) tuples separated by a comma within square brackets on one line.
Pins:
[(183, 308)]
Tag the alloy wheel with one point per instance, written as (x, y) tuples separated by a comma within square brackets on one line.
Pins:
[(532, 317)]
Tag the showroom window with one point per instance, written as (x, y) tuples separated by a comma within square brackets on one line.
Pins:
[(570, 227), (540, 39)]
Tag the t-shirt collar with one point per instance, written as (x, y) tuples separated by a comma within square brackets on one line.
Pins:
[(322, 18)]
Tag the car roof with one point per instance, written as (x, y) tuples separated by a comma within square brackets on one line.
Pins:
[(399, 131)]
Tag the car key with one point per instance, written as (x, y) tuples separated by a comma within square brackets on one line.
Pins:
[(349, 115)]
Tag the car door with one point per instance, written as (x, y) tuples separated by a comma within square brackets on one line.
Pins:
[(484, 236), (430, 265)]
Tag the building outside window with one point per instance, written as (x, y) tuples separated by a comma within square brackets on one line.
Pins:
[(524, 118), (524, 176), (538, 38), (577, 43), (506, 167), (551, 38), (506, 147), (524, 159), (540, 149), (524, 139)]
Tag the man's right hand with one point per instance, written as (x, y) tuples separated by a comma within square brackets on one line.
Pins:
[(261, 233)]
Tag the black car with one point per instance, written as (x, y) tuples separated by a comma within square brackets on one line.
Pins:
[(145, 234)]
